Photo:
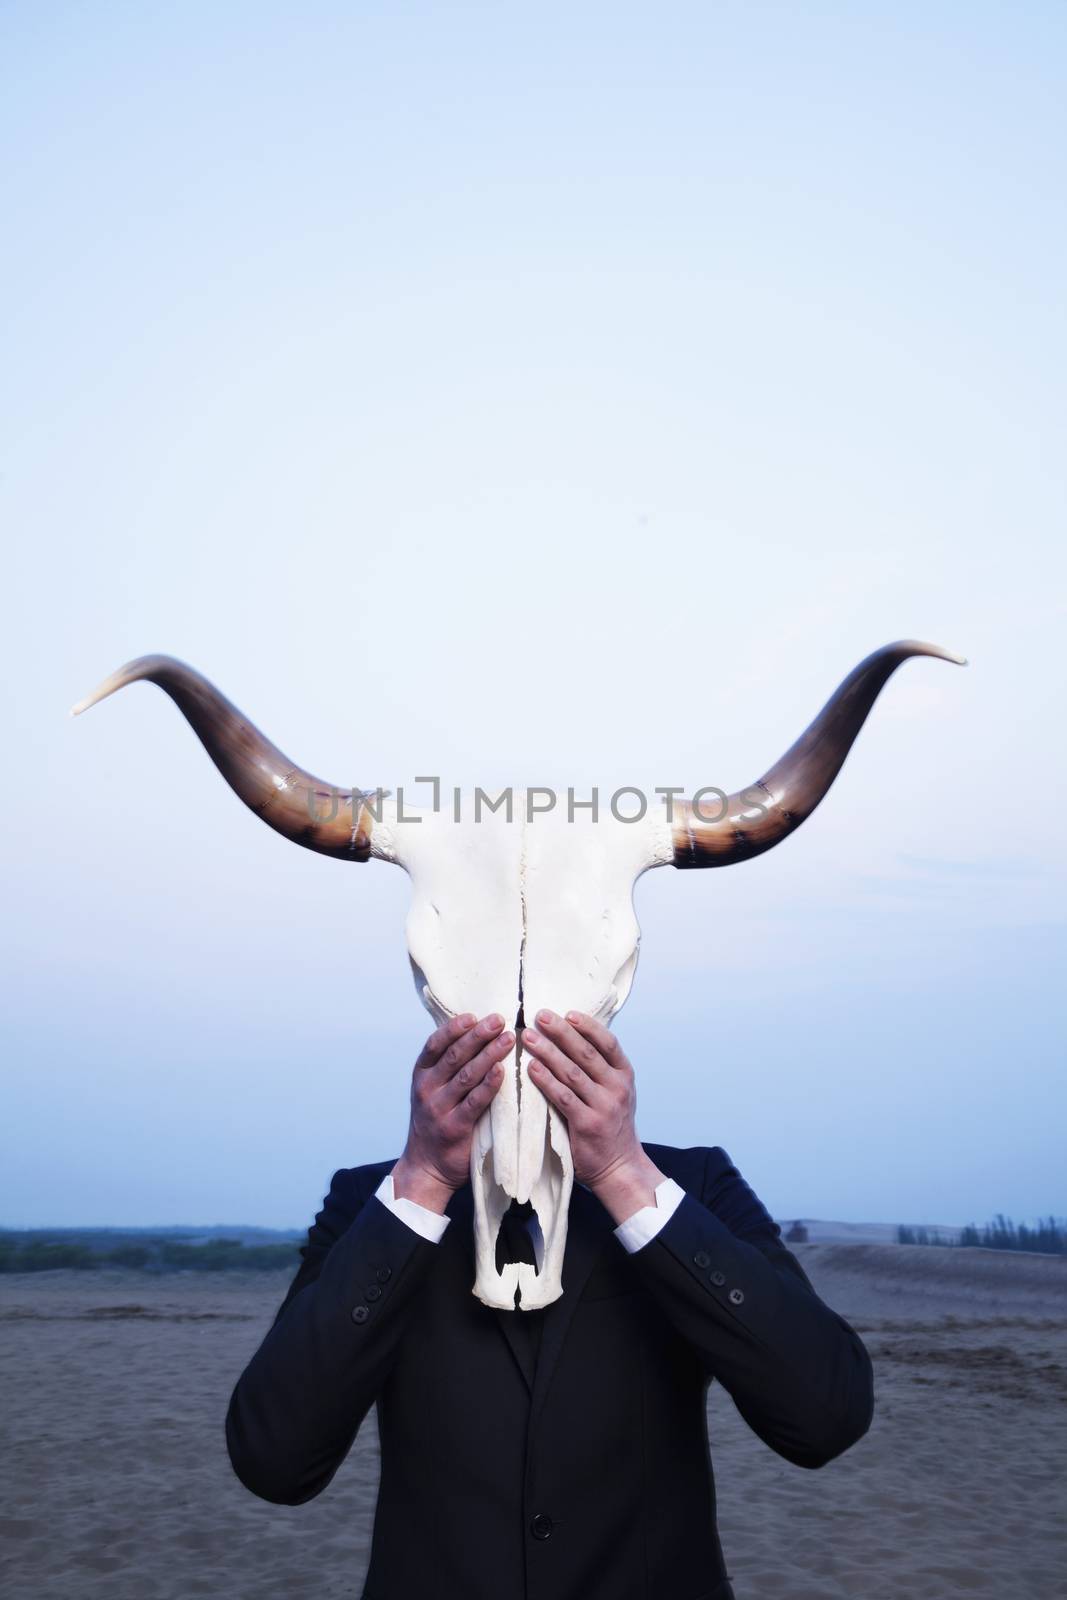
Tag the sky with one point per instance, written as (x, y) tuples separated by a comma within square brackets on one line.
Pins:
[(556, 395)]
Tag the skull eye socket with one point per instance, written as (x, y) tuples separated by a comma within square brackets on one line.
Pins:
[(437, 1008), (620, 988)]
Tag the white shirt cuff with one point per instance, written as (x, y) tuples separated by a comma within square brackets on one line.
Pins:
[(644, 1225), (430, 1224)]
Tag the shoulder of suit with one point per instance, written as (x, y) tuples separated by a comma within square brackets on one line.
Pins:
[(688, 1166), (354, 1185)]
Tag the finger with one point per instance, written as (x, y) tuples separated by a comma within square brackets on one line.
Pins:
[(467, 1046), (472, 1072), (575, 1046), (472, 1105), (442, 1037), (553, 1062), (602, 1038), (559, 1094)]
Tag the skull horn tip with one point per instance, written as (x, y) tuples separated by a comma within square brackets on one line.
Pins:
[(757, 818), (141, 667), (320, 816), (919, 648)]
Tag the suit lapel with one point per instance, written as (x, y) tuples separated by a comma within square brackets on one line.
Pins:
[(588, 1229), (461, 1209), (588, 1226), (520, 1342)]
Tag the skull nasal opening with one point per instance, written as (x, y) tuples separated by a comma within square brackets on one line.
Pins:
[(519, 1236)]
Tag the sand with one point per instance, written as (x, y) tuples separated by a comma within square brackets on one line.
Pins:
[(115, 1480)]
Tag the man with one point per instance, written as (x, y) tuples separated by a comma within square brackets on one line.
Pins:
[(559, 1454)]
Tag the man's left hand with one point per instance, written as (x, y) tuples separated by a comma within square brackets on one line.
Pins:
[(579, 1066)]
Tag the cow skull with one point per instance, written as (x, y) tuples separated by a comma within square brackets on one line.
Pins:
[(517, 908)]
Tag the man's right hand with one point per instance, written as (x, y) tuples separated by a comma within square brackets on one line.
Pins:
[(456, 1076)]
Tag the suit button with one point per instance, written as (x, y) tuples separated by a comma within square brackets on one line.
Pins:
[(541, 1526), (736, 1296), (360, 1313), (373, 1292), (383, 1274), (717, 1278), (702, 1259)]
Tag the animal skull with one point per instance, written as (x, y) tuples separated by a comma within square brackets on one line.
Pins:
[(515, 909)]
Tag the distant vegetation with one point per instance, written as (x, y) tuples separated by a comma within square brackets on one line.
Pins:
[(169, 1250), (921, 1236), (1047, 1237)]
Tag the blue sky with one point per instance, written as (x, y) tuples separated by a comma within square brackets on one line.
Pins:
[(565, 395)]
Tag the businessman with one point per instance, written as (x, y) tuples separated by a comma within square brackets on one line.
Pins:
[(557, 1454)]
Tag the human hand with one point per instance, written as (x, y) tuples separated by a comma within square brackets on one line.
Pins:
[(580, 1067), (457, 1074)]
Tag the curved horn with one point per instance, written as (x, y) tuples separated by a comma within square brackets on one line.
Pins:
[(304, 809), (759, 817)]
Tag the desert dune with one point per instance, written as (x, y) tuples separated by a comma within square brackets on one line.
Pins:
[(116, 1480)]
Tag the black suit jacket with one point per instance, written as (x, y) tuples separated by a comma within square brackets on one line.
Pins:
[(583, 1473)]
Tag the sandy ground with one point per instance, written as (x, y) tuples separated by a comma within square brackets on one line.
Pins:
[(115, 1480)]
